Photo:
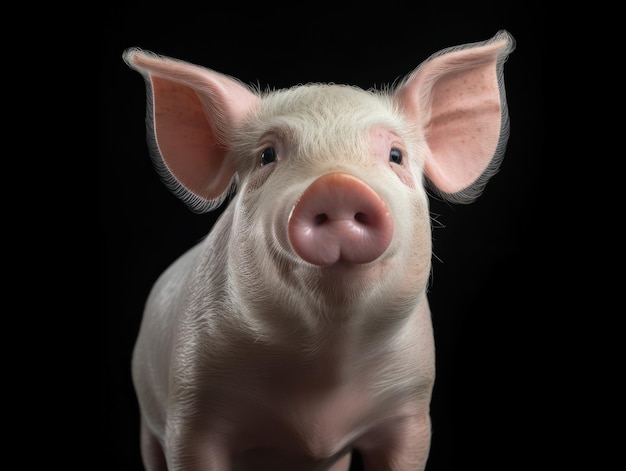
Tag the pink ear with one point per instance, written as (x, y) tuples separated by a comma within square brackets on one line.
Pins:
[(457, 98), (191, 114)]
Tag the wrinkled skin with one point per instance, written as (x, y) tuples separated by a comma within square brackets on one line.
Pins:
[(299, 329)]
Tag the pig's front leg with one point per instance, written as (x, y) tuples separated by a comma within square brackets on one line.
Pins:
[(151, 450), (399, 445)]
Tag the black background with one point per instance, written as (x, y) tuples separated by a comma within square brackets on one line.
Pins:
[(485, 396)]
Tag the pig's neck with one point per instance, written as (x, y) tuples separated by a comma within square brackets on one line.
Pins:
[(314, 310)]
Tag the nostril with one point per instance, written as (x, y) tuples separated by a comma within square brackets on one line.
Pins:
[(320, 219), (361, 217)]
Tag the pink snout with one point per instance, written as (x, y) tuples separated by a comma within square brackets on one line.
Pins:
[(340, 219)]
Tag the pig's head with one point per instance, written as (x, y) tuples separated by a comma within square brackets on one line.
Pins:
[(330, 179)]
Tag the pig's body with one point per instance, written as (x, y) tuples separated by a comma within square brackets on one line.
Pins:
[(271, 391), (299, 329)]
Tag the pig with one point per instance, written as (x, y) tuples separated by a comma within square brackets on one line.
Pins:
[(297, 334)]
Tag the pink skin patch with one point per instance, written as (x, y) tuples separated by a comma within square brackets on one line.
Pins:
[(382, 141)]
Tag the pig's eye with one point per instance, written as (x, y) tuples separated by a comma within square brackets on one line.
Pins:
[(268, 156), (395, 156)]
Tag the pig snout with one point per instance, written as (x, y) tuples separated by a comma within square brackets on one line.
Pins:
[(339, 218)]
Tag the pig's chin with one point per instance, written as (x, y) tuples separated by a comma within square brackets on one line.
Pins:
[(344, 281), (342, 268)]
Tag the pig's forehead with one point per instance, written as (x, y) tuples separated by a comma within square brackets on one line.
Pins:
[(330, 105), (324, 94)]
